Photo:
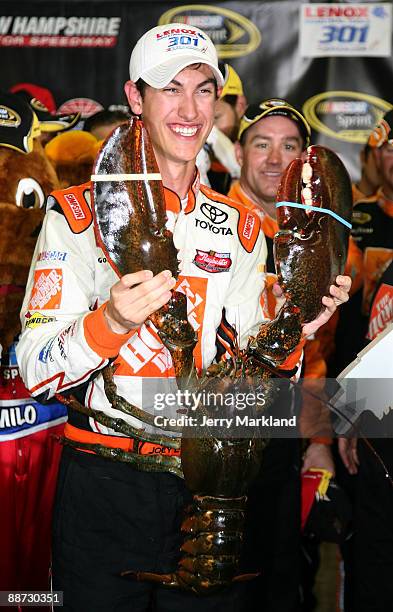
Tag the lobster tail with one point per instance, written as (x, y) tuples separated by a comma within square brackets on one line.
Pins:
[(212, 546)]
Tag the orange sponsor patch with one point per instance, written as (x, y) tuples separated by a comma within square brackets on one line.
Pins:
[(382, 311), (47, 289), (376, 260), (145, 355), (75, 207), (195, 289)]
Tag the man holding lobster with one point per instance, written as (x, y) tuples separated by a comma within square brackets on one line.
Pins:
[(110, 516)]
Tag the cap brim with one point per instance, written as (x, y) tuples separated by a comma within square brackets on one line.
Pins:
[(59, 123), (283, 110), (162, 75)]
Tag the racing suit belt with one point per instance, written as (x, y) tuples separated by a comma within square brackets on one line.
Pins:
[(131, 445)]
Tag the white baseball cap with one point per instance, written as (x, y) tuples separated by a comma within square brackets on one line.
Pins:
[(167, 49)]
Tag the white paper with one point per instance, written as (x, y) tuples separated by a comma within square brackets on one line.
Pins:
[(367, 383)]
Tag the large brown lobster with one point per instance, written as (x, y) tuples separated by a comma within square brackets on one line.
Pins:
[(130, 219)]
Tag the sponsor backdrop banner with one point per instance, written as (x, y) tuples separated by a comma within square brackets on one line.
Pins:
[(333, 60), (337, 30)]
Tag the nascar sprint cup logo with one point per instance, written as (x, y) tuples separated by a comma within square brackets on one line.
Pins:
[(232, 34), (345, 115)]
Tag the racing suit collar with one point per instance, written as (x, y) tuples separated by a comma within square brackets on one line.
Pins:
[(173, 202)]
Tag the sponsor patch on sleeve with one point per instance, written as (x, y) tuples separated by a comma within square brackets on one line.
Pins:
[(47, 289), (75, 207), (52, 255), (36, 319), (248, 226), (382, 311), (248, 229)]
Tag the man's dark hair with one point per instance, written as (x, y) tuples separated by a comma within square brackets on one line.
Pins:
[(230, 99), (141, 87), (104, 117)]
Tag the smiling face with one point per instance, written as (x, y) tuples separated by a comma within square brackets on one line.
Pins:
[(269, 146), (178, 117)]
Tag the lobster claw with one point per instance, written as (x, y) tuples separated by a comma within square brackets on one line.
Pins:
[(130, 226), (310, 249), (129, 204), (314, 208)]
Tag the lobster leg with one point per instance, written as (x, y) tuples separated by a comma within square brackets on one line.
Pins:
[(120, 403), (119, 425)]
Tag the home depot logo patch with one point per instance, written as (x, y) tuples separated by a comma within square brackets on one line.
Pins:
[(382, 311), (47, 289)]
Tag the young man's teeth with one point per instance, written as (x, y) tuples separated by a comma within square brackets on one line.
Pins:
[(185, 131)]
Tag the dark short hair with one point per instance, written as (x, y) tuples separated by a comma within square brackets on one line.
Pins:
[(141, 85), (230, 99), (104, 117)]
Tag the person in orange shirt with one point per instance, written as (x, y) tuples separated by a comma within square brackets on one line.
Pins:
[(368, 314), (372, 231), (370, 178)]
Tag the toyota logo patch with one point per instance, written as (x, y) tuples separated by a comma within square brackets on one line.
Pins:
[(215, 215)]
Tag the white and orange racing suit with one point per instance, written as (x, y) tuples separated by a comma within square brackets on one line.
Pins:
[(66, 341)]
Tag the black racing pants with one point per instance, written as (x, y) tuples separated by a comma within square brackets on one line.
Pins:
[(272, 533), (110, 517)]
